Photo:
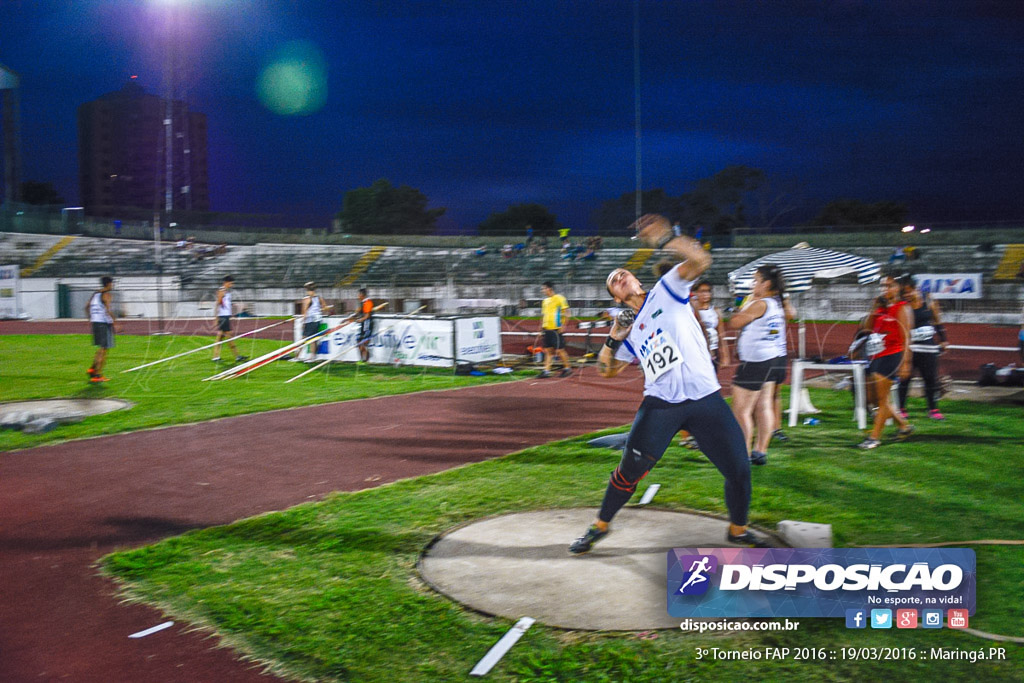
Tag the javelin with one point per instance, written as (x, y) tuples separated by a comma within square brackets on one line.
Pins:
[(333, 355), (274, 355), (224, 341)]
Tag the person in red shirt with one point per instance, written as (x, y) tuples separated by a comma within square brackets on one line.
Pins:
[(365, 320), (888, 347)]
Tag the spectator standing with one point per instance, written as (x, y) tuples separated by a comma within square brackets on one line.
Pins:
[(100, 312), (554, 311), (313, 309)]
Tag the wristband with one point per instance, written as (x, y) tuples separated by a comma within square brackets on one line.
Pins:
[(665, 240), (613, 344)]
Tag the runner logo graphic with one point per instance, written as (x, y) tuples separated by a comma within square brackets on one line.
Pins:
[(696, 580)]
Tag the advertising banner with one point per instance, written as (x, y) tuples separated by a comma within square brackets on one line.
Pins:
[(818, 582), (950, 285), (9, 282), (416, 340)]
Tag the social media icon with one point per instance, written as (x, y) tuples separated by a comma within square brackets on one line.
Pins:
[(931, 618), (957, 618), (881, 618), (906, 618), (856, 618)]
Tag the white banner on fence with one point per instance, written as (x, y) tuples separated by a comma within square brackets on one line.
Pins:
[(950, 285), (9, 282), (416, 340)]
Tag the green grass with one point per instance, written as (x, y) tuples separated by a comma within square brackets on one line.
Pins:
[(329, 591), (53, 366)]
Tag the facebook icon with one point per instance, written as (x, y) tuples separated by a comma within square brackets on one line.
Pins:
[(856, 618)]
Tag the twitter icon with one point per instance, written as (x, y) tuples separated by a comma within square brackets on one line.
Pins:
[(881, 618)]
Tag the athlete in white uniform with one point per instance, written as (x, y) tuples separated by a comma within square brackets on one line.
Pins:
[(761, 349), (101, 319), (681, 390), (224, 310), (714, 327), (313, 308)]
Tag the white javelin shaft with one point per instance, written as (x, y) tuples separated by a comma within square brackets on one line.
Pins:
[(230, 372), (224, 341), (332, 356)]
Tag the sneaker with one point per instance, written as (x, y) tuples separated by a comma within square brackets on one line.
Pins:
[(935, 414), (90, 372), (543, 374), (904, 433), (216, 360), (96, 379), (758, 458), (239, 359), (869, 443), (748, 539), (779, 435), (565, 372), (584, 543), (690, 443)]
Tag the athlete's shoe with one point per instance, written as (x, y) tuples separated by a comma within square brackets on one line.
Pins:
[(758, 458), (779, 435), (748, 539), (216, 360), (543, 374), (935, 414), (239, 359), (584, 543), (96, 379), (690, 443), (565, 372), (91, 372), (903, 433), (869, 443)]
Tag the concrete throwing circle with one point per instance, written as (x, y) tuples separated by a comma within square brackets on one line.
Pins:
[(518, 565), (58, 410)]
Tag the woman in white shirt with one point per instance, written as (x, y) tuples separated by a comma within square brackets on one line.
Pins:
[(681, 390), (761, 349)]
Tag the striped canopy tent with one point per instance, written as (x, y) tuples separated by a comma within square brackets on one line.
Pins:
[(803, 264)]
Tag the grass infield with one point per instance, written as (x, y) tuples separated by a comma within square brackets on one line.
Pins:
[(53, 366), (328, 590)]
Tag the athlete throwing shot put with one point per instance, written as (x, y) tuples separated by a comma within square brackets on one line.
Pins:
[(681, 390)]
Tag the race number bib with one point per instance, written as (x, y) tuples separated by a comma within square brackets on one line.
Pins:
[(876, 344), (922, 334), (658, 355)]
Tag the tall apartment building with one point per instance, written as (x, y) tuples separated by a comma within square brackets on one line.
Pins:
[(121, 143)]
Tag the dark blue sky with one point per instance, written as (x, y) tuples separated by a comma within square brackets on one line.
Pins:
[(485, 104)]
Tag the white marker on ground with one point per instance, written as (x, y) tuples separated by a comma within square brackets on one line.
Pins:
[(649, 494), (148, 631), (495, 654)]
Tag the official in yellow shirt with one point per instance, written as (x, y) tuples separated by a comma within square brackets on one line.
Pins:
[(554, 311)]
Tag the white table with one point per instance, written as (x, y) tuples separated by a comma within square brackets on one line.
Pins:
[(858, 369)]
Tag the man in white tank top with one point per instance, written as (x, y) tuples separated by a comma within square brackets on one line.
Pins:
[(313, 309), (100, 312), (223, 311), (681, 390)]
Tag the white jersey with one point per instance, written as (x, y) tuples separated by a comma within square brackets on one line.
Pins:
[(97, 311), (709, 316), (669, 342), (764, 338), (314, 313), (224, 308)]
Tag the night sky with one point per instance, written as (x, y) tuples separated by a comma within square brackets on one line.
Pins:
[(485, 104)]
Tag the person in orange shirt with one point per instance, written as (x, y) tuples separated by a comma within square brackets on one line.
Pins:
[(365, 325)]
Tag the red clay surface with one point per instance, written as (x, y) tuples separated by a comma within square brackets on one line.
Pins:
[(67, 505)]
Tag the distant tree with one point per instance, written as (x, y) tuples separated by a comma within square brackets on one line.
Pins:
[(855, 212), (33, 192), (383, 209), (615, 215), (514, 220), (719, 203)]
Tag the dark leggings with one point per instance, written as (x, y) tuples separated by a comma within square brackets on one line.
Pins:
[(710, 422), (928, 365)]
